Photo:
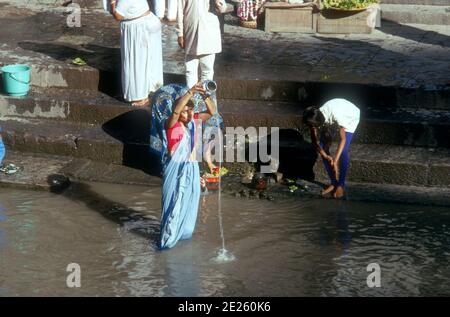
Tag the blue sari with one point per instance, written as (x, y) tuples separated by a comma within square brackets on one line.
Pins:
[(181, 193), (181, 177), (162, 103)]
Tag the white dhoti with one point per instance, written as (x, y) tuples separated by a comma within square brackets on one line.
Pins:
[(160, 8), (141, 50)]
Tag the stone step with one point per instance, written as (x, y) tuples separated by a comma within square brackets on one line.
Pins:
[(396, 165), (417, 2), (416, 14), (396, 126), (84, 106), (392, 126), (370, 163), (62, 138)]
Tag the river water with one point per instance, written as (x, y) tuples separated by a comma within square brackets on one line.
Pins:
[(294, 247)]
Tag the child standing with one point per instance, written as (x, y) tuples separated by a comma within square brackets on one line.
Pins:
[(342, 115)]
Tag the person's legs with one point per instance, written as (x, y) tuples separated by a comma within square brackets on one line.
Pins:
[(191, 70), (160, 8), (330, 172), (172, 7), (345, 159), (192, 200), (207, 66)]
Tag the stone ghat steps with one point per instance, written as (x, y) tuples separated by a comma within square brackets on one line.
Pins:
[(51, 68), (429, 96), (399, 65), (395, 126), (371, 163), (392, 126)]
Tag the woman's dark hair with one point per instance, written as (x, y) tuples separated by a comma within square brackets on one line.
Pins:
[(313, 117), (190, 104), (326, 136)]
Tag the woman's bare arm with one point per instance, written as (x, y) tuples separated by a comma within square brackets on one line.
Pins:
[(316, 144), (180, 104), (116, 15)]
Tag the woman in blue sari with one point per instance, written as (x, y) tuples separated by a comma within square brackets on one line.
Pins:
[(181, 174)]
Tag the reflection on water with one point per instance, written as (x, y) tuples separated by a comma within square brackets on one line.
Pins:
[(287, 248)]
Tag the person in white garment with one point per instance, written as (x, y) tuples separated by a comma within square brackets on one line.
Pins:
[(141, 49), (160, 9), (336, 115), (199, 35)]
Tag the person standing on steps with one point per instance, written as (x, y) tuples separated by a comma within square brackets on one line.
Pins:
[(140, 48), (199, 35), (343, 116)]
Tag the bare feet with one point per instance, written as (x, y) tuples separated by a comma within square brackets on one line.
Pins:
[(327, 190), (141, 103), (339, 192)]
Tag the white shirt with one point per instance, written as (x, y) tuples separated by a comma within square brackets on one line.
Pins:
[(131, 9), (341, 112), (199, 27)]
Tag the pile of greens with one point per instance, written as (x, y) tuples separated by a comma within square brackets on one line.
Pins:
[(348, 4), (217, 173)]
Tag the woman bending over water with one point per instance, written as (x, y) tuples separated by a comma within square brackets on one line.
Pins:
[(343, 116)]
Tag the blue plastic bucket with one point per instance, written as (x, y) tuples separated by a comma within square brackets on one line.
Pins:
[(16, 79)]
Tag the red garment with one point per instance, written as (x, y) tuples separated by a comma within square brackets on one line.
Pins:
[(176, 133)]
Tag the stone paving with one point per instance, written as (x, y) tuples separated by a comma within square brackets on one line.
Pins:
[(394, 55)]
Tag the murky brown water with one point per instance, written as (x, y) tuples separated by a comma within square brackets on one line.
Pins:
[(289, 248)]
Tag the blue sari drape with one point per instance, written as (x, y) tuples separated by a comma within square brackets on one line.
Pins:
[(162, 103), (181, 177), (181, 193)]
